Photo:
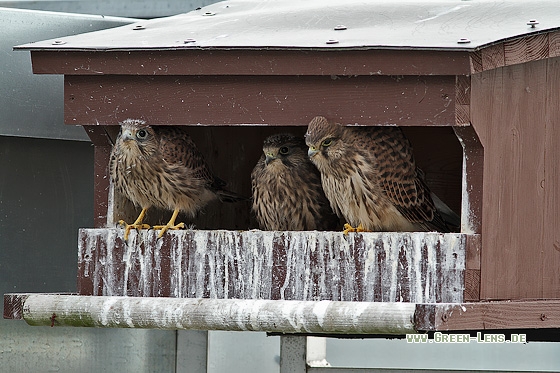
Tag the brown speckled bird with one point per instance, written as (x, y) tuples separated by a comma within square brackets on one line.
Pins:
[(161, 167), (287, 192), (370, 178)]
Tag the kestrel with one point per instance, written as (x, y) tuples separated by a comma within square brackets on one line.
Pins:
[(287, 192), (161, 167), (370, 177)]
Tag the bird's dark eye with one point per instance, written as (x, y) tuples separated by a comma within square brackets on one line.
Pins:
[(284, 150), (326, 142), (142, 134)]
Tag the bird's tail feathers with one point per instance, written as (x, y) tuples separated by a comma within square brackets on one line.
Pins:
[(449, 216), (227, 196)]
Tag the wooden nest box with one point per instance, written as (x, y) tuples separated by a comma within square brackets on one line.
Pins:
[(475, 85)]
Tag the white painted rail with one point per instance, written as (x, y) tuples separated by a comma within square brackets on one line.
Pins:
[(219, 314)]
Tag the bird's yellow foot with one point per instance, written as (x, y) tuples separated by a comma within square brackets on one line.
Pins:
[(348, 228), (136, 225), (129, 227), (170, 225), (165, 228)]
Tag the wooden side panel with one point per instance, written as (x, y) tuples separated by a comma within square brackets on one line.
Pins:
[(265, 100), (519, 50), (509, 113), (103, 145), (381, 267), (489, 315), (551, 184)]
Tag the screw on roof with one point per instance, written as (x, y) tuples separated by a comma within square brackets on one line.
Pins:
[(139, 27), (58, 42), (189, 40), (332, 41), (463, 41), (340, 27), (209, 14), (533, 23)]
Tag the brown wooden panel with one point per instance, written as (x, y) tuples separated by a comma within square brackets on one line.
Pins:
[(472, 285), (462, 100), (526, 49), (489, 315), (270, 100), (476, 62), (472, 272), (509, 114), (554, 44), (493, 57), (252, 62), (550, 185), (472, 179), (381, 267)]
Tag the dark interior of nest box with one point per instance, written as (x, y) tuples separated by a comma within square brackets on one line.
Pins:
[(232, 152)]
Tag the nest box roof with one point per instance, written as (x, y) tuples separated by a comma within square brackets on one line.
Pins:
[(317, 24)]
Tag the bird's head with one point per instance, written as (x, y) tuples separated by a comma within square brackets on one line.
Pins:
[(322, 138), (136, 136), (285, 148)]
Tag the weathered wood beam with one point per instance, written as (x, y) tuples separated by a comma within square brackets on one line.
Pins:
[(218, 314), (419, 267)]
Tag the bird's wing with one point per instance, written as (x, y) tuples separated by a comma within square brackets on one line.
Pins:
[(399, 178), (178, 149)]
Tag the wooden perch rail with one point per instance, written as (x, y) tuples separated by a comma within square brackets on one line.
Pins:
[(218, 314), (279, 316)]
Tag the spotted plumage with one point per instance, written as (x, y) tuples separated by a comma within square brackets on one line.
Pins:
[(161, 167), (370, 177), (287, 192)]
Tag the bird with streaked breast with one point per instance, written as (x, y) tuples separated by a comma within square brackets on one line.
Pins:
[(370, 178), (160, 166), (287, 192)]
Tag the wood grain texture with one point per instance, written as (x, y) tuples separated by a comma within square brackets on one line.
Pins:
[(554, 44), (516, 51), (490, 315), (550, 184), (266, 100), (511, 119), (526, 49), (493, 57), (380, 267)]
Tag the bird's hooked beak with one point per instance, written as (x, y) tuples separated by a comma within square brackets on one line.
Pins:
[(269, 157), (312, 151), (127, 134)]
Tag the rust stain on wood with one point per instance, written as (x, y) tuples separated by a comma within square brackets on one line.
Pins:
[(384, 267)]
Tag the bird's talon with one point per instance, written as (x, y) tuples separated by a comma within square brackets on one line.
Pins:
[(348, 228), (165, 228)]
